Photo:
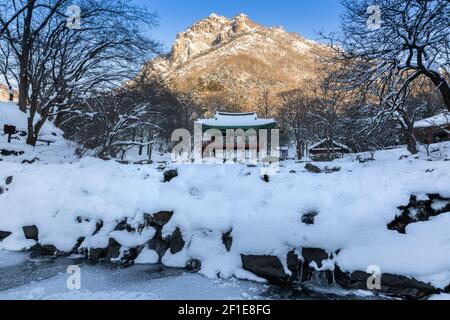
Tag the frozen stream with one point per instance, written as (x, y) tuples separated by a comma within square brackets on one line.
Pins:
[(25, 278)]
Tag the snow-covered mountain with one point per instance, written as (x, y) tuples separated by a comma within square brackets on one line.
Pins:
[(233, 62)]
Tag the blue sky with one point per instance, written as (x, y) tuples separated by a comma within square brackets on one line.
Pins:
[(302, 16)]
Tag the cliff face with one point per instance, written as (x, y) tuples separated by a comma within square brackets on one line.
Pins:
[(233, 63)]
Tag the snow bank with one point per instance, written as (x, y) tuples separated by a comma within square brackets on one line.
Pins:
[(66, 201), (58, 151)]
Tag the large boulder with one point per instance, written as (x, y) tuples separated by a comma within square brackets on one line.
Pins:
[(268, 267), (294, 264), (227, 240), (4, 235), (394, 285), (112, 251), (46, 251), (31, 232), (158, 220), (169, 175), (316, 255), (96, 254)]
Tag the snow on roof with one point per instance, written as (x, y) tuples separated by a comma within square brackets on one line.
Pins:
[(439, 120), (236, 120), (343, 146)]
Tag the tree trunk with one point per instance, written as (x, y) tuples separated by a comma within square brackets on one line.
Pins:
[(149, 151), (300, 149), (24, 59), (438, 80), (32, 136), (444, 88), (411, 142)]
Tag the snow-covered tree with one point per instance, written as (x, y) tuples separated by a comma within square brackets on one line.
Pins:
[(114, 121)]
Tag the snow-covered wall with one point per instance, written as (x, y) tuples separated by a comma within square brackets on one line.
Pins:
[(86, 200)]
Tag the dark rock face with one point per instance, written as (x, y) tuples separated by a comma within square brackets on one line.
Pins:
[(266, 178), (158, 220), (309, 218), (227, 240), (95, 254), (301, 270), (169, 175), (124, 226), (312, 168), (31, 232), (418, 210), (9, 180), (294, 264), (176, 241), (315, 254), (159, 244), (268, 267), (46, 251), (36, 251), (49, 250), (392, 285), (4, 235), (113, 250)]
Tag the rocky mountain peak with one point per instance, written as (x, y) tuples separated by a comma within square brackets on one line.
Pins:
[(232, 63), (207, 33)]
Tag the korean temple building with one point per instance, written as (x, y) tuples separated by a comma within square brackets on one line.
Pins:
[(224, 121)]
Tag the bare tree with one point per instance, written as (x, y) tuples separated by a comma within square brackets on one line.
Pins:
[(327, 108), (114, 121), (411, 38), (295, 120), (266, 107)]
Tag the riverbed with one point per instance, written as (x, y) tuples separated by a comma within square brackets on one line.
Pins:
[(23, 278)]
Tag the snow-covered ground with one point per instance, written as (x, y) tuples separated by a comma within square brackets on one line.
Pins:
[(60, 150), (353, 206)]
